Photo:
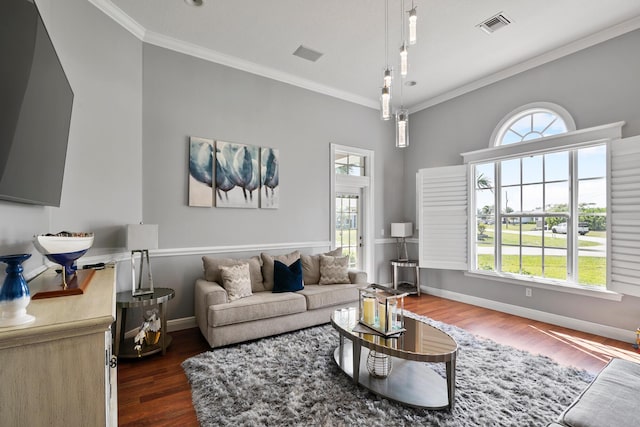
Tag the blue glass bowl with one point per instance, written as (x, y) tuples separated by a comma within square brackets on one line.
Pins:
[(64, 248)]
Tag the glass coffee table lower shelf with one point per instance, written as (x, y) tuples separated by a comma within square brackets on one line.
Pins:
[(410, 383), (410, 380)]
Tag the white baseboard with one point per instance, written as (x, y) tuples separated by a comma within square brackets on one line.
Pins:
[(180, 324), (541, 316)]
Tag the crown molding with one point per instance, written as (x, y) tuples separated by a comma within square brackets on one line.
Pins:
[(194, 50), (160, 40), (568, 49), (119, 16)]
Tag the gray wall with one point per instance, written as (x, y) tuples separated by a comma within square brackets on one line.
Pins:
[(103, 178), (597, 85), (135, 106), (185, 96)]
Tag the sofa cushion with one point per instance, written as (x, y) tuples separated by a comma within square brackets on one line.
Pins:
[(236, 280), (333, 270), (612, 399), (357, 277), (287, 278), (311, 266), (261, 305), (267, 266), (212, 270), (319, 296)]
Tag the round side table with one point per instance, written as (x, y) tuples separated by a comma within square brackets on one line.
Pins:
[(124, 300), (395, 264)]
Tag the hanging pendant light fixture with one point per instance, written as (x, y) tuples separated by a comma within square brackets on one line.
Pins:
[(402, 125), (404, 52), (385, 96), (413, 20), (404, 60), (402, 115), (402, 128), (385, 103)]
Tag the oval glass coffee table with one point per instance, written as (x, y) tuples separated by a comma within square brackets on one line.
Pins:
[(411, 381)]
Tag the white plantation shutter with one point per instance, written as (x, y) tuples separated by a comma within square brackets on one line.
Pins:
[(442, 201), (625, 216)]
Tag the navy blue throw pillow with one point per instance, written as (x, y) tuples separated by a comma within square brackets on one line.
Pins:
[(287, 278)]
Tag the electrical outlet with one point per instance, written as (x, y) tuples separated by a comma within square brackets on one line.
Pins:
[(527, 292), (382, 231)]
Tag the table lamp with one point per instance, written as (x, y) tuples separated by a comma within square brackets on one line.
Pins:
[(402, 230), (141, 238)]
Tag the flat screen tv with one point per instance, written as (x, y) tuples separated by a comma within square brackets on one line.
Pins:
[(35, 108)]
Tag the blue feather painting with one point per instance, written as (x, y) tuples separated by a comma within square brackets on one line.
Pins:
[(200, 172), (269, 178), (237, 173)]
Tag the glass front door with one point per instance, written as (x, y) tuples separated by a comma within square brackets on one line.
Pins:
[(348, 229)]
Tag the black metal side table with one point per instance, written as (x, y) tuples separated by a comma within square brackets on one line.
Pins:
[(414, 288), (124, 300)]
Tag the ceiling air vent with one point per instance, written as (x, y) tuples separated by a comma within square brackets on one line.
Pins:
[(494, 23), (308, 54)]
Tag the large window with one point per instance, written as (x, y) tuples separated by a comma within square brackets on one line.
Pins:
[(551, 216), (550, 220)]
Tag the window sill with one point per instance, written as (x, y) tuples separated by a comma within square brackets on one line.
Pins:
[(549, 285)]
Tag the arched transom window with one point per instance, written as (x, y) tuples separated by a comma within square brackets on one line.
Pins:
[(532, 121)]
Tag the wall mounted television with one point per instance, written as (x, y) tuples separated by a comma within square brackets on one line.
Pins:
[(35, 108)]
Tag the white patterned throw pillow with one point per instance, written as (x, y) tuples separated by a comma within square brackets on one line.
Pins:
[(236, 280), (333, 270)]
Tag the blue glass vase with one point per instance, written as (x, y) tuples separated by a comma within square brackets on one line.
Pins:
[(14, 294)]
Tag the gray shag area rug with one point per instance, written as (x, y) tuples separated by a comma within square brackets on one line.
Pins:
[(292, 379)]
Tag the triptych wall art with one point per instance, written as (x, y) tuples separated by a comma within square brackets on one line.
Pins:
[(231, 175)]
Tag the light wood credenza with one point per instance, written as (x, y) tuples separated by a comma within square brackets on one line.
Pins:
[(58, 370)]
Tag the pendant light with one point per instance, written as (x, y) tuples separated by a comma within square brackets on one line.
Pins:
[(402, 128), (385, 103), (404, 60), (402, 115), (413, 20), (402, 125), (385, 96), (404, 52)]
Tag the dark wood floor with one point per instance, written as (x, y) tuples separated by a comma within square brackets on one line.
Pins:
[(155, 391)]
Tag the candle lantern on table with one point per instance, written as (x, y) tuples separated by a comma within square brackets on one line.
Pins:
[(382, 309)]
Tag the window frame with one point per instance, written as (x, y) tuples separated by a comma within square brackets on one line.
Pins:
[(572, 219), (598, 135)]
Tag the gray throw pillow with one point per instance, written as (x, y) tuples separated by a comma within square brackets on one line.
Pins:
[(311, 266), (212, 270), (236, 280), (267, 266), (334, 270)]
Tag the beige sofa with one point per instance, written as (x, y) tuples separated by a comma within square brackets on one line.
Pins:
[(223, 321)]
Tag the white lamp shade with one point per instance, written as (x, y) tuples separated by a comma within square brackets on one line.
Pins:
[(401, 229), (142, 236)]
